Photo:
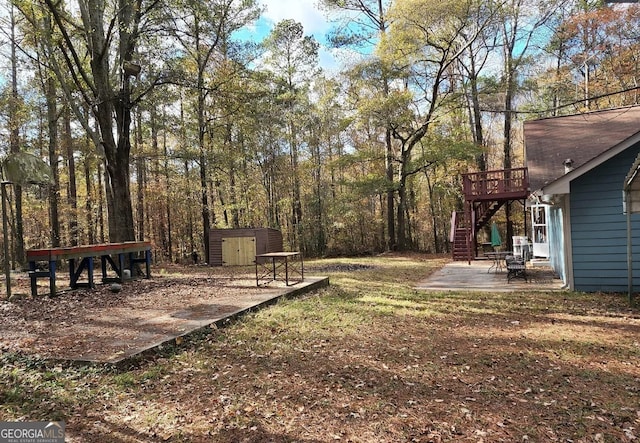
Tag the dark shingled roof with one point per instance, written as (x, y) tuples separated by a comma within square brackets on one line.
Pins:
[(581, 137)]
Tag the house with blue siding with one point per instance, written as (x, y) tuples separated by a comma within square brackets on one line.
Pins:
[(577, 168)]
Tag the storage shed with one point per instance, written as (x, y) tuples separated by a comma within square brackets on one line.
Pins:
[(238, 247)]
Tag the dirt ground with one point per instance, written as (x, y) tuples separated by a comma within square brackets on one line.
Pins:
[(58, 327)]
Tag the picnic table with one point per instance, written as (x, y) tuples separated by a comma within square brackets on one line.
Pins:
[(81, 260), (272, 265)]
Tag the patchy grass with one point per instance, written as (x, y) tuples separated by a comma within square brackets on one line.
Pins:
[(369, 359)]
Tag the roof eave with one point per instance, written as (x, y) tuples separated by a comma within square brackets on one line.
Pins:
[(563, 184)]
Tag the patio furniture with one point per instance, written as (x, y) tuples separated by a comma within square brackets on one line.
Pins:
[(498, 258), (272, 265), (81, 259), (516, 267)]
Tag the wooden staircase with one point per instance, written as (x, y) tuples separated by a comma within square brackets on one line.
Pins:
[(460, 237), (485, 210), (484, 193)]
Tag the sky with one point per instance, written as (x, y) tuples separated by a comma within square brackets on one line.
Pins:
[(314, 22), (303, 11)]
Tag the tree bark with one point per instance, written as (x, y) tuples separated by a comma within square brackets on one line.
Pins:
[(91, 228), (14, 142), (72, 193), (106, 96), (54, 190), (478, 135), (101, 203), (140, 179)]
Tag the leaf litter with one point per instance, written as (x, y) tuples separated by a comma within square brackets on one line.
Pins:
[(562, 367)]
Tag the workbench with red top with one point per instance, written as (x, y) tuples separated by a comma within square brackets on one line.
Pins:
[(81, 259)]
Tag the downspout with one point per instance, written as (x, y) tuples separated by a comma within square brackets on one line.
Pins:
[(627, 209)]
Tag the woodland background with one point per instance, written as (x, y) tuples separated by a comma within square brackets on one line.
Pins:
[(160, 121)]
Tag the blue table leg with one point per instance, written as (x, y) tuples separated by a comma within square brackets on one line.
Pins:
[(120, 267), (72, 273), (34, 278), (90, 271), (103, 265), (52, 278)]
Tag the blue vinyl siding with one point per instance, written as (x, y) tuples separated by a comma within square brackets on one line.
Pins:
[(556, 242), (599, 228)]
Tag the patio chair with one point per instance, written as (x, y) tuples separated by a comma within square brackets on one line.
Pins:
[(516, 268)]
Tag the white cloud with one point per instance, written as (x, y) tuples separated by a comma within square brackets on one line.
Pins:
[(303, 11), (314, 22)]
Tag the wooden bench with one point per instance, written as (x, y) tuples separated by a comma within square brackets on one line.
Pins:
[(80, 260), (516, 268)]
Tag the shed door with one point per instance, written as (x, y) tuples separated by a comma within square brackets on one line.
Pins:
[(238, 251)]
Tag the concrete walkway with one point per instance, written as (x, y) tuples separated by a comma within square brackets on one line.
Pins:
[(462, 276)]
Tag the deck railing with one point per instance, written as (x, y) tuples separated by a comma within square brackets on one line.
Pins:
[(495, 184)]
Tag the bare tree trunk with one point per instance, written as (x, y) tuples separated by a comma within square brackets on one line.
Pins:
[(233, 199), (204, 195), (388, 143), (296, 215), (508, 116), (478, 135), (101, 203), (72, 193), (233, 187), (167, 202), (509, 74), (190, 227), (401, 213), (106, 96), (14, 143), (162, 206), (392, 243), (54, 191), (432, 211), (121, 218), (91, 228), (140, 178)]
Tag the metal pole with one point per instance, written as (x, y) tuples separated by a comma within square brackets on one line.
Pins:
[(629, 247), (7, 268)]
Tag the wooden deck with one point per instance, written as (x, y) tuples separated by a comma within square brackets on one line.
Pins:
[(484, 193), (504, 184)]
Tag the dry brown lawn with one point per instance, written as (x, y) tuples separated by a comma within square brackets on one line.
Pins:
[(369, 359)]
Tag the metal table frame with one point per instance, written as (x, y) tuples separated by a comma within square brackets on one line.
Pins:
[(271, 265), (498, 258)]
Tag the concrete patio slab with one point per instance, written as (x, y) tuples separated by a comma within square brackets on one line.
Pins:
[(170, 326), (123, 330), (477, 276)]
